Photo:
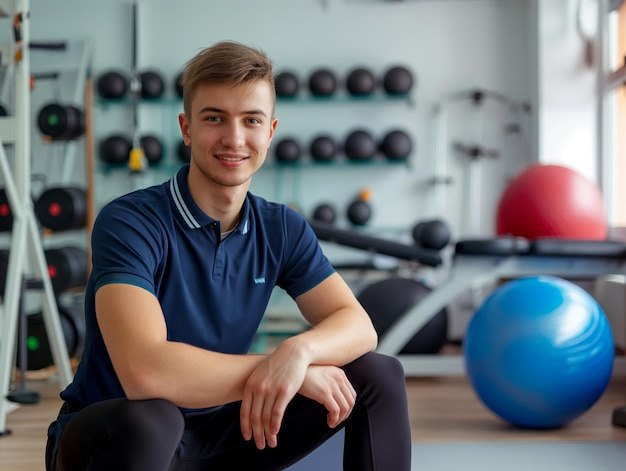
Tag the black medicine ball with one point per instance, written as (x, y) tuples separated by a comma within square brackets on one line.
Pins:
[(115, 149), (398, 80), (323, 148), (112, 84), (287, 150), (360, 145), (152, 148), (396, 145), (322, 82), (325, 212), (286, 84), (152, 85), (359, 212), (434, 234), (360, 81)]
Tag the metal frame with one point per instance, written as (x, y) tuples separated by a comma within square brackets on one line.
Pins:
[(25, 231)]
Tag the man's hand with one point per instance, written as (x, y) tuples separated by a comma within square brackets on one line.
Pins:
[(329, 386), (274, 383), (268, 390)]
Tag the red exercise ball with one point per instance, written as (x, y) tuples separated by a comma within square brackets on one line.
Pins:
[(552, 201)]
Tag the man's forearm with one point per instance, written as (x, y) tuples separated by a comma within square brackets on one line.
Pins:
[(337, 340), (189, 376)]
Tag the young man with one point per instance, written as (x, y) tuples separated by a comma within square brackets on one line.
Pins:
[(182, 274)]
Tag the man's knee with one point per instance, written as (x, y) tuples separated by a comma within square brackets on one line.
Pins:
[(149, 419), (376, 368)]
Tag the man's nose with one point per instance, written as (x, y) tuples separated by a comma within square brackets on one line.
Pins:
[(234, 136)]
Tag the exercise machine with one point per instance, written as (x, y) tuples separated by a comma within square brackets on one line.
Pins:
[(478, 263)]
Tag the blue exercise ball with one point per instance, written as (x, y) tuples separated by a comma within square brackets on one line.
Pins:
[(539, 352)]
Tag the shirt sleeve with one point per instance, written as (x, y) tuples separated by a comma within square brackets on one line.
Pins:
[(126, 246), (306, 265)]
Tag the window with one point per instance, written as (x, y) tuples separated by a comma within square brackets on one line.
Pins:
[(614, 136)]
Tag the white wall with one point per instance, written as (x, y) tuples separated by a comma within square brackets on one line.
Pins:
[(451, 46)]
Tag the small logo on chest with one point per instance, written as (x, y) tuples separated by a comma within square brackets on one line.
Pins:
[(259, 281)]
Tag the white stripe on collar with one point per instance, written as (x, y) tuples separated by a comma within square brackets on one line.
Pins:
[(180, 204)]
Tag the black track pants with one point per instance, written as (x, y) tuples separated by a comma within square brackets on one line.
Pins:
[(154, 435)]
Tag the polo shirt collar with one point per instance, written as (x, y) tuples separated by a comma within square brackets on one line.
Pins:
[(187, 209)]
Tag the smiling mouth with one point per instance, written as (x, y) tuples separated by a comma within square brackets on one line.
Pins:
[(231, 158)]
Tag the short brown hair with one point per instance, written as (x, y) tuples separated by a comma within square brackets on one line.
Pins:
[(225, 62)]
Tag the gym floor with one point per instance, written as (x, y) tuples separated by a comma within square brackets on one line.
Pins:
[(442, 410)]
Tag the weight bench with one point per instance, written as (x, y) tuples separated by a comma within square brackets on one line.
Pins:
[(478, 263)]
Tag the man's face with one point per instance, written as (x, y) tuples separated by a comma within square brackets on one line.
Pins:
[(230, 130)]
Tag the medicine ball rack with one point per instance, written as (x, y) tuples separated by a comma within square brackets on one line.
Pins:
[(295, 171), (170, 106)]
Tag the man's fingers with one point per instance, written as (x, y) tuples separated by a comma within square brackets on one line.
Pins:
[(244, 416), (350, 396), (344, 399), (269, 411), (334, 411), (278, 412), (256, 422)]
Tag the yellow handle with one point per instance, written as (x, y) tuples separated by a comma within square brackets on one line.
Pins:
[(137, 160)]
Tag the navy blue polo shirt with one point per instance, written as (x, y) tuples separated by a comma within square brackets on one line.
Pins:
[(213, 292)]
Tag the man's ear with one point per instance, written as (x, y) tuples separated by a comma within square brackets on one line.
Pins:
[(273, 125), (183, 122)]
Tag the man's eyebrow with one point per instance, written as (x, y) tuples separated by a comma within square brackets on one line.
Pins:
[(212, 109), (261, 112)]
